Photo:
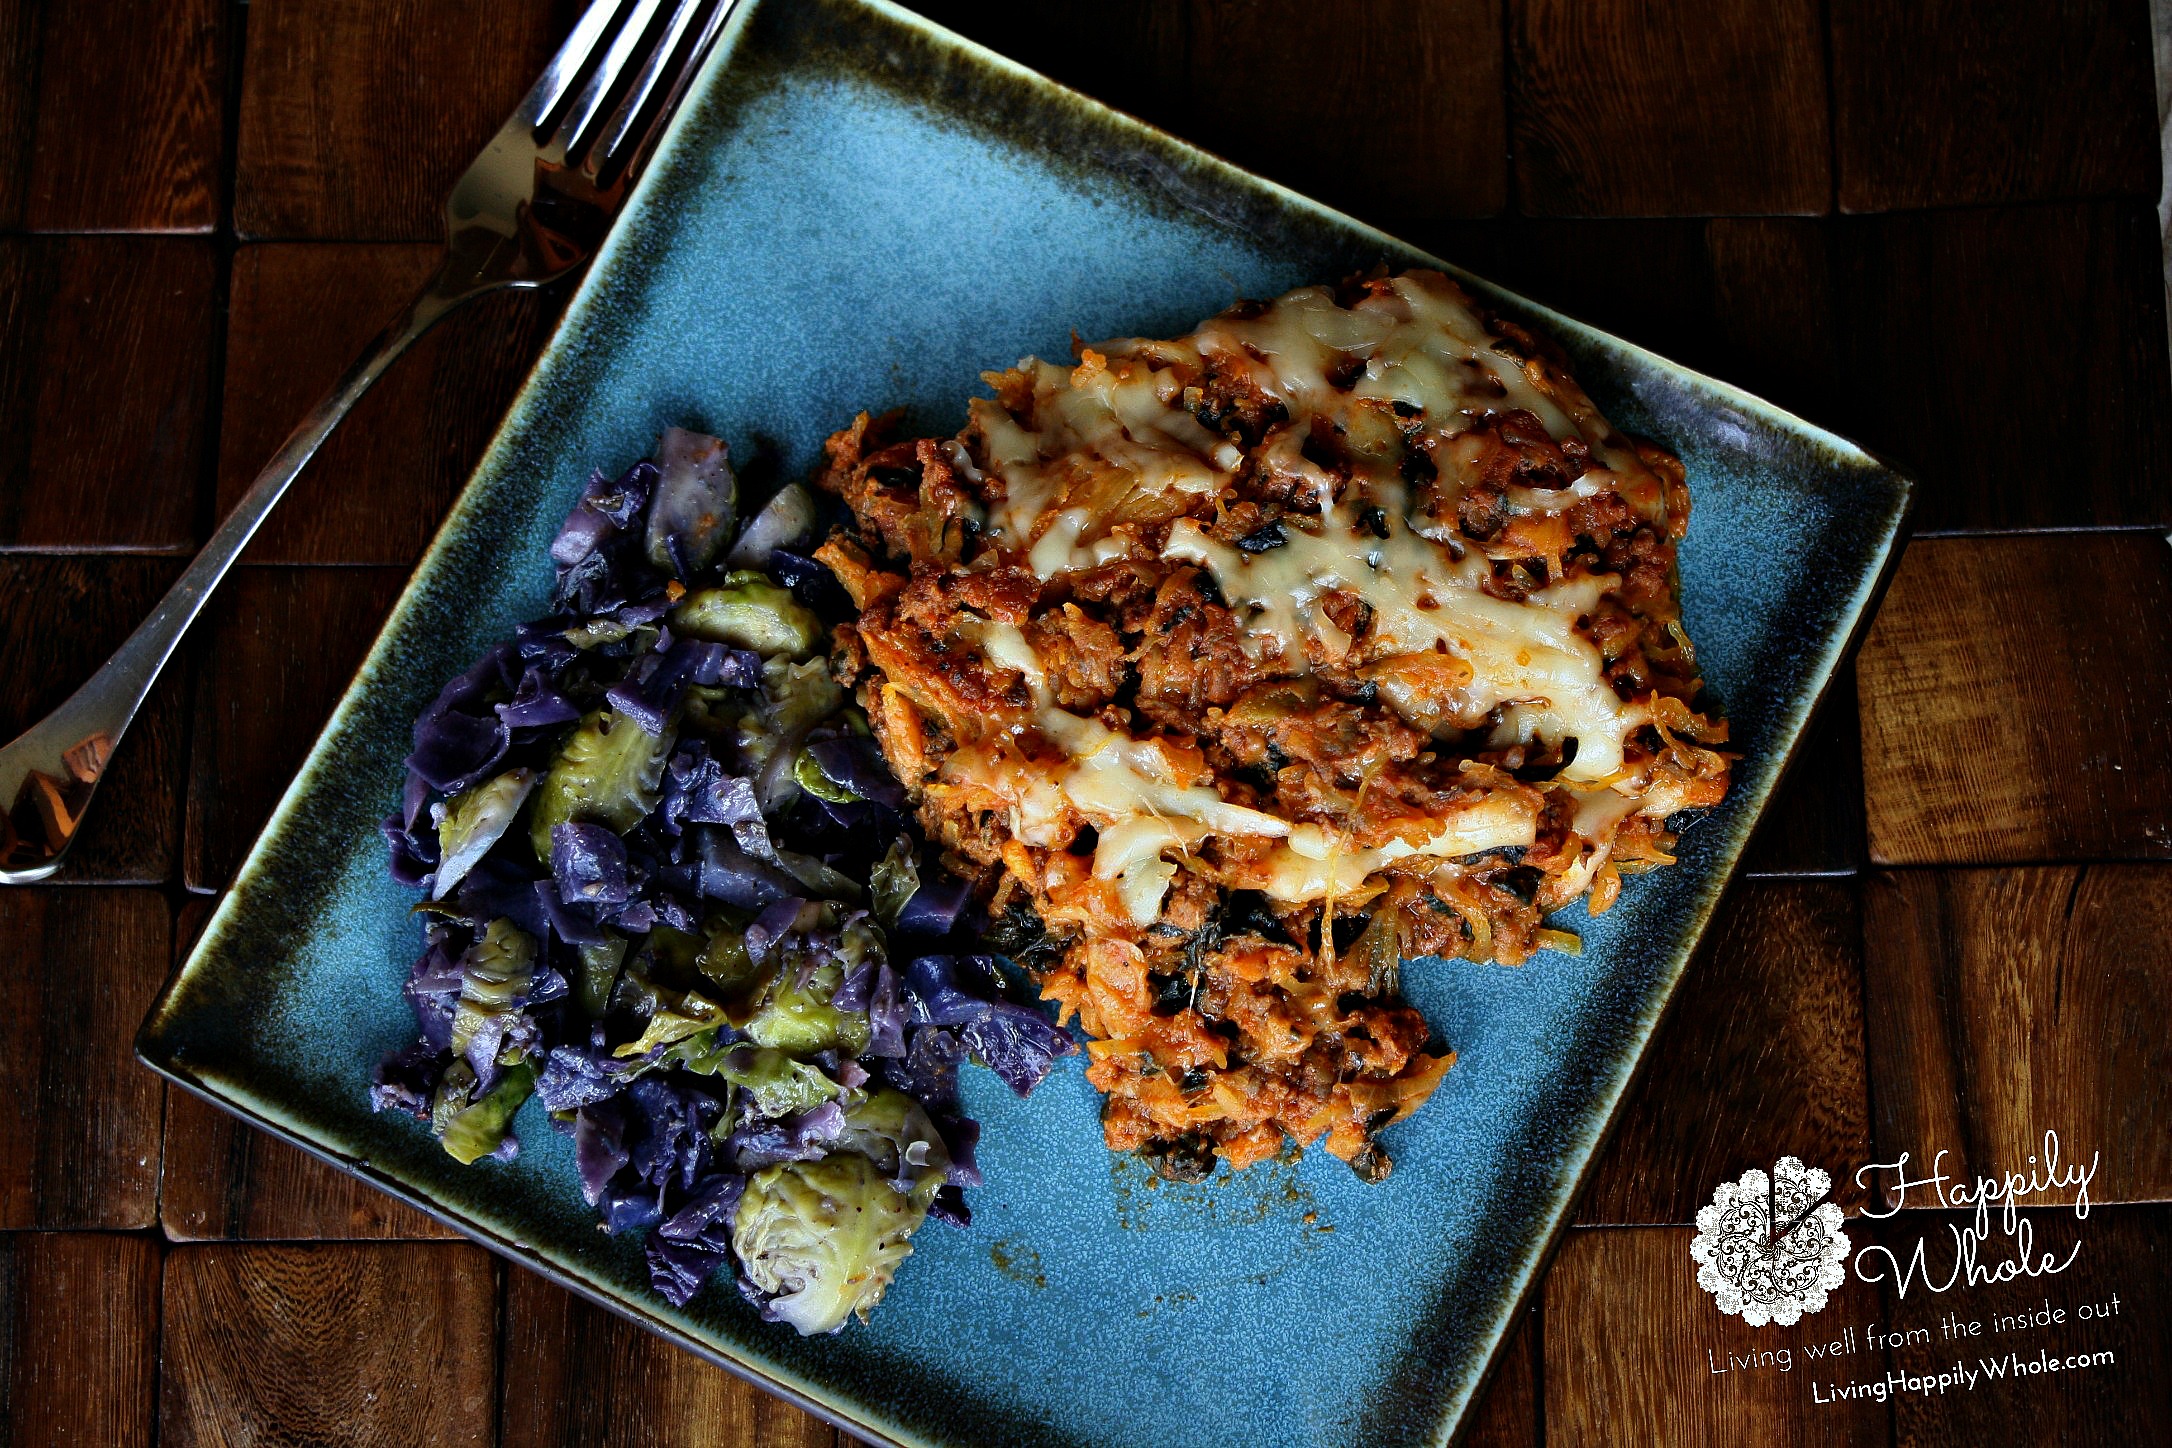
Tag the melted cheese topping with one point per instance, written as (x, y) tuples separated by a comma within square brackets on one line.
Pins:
[(1112, 442)]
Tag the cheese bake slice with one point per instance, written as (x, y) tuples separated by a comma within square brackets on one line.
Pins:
[(1243, 666)]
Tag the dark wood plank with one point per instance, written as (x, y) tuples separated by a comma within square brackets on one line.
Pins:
[(110, 114), (1627, 1333), (1395, 113), (78, 1328), (1129, 54), (300, 315), (2018, 1001), (283, 644), (357, 116), (579, 1377), (1765, 1036), (2012, 361), (225, 1180), (80, 1145), (1691, 108), (2126, 1254), (340, 1343), (2016, 698), (60, 618), (1507, 1414), (1959, 102), (105, 388), (1814, 824)]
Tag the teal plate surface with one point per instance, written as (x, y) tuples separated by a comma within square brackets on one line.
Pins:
[(857, 210)]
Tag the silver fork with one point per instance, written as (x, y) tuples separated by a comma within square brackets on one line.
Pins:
[(531, 208)]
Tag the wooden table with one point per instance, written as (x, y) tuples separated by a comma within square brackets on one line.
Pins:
[(1931, 225)]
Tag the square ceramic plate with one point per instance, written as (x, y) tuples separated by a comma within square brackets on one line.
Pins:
[(857, 210)]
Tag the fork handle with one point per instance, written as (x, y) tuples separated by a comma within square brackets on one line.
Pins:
[(107, 701)]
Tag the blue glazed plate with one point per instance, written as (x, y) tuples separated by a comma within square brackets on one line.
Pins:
[(858, 210)]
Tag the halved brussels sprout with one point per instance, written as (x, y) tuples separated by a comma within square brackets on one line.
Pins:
[(895, 1132), (748, 611), (472, 821), (494, 973), (825, 1236), (609, 771), (479, 1129), (779, 1085), (800, 1018)]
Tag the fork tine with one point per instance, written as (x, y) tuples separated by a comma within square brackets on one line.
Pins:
[(576, 130), (570, 63), (629, 111)]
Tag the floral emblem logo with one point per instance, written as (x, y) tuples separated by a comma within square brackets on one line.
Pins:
[(1771, 1247)]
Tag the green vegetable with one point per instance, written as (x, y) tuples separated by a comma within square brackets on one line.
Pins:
[(609, 772), (472, 821), (750, 612), (809, 776), (826, 1236), (599, 972), (895, 1132), (798, 696), (894, 880), (724, 960), (454, 1090), (479, 1129), (779, 1085), (690, 1015), (802, 1020), (495, 972)]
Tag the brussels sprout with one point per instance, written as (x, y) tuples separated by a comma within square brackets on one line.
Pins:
[(894, 880), (455, 1089), (825, 1236), (479, 1129), (892, 1130), (689, 1015), (472, 821), (795, 698), (599, 972), (808, 775), (609, 771), (800, 1018), (494, 973), (779, 1085), (784, 520), (748, 611), (724, 960)]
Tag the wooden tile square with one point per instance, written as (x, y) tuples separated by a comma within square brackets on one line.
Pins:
[(1760, 1055), (79, 1146), (106, 349), (579, 1377), (1506, 1414), (337, 1343), (2012, 1002), (1700, 107), (2016, 701), (2122, 1277), (2012, 361), (60, 618), (281, 646), (1960, 102), (357, 116), (111, 114), (1637, 1352), (78, 1337), (376, 492)]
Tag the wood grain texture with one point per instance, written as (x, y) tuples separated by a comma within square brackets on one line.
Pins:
[(1627, 1335), (340, 1343), (78, 1338), (110, 114), (2012, 361), (282, 645), (80, 1146), (299, 317), (2016, 701), (2123, 1270), (1506, 1414), (1691, 108), (1760, 1055), (579, 1377), (2018, 1001), (106, 346), (1814, 824), (224, 1180), (357, 116), (1961, 102), (60, 618)]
